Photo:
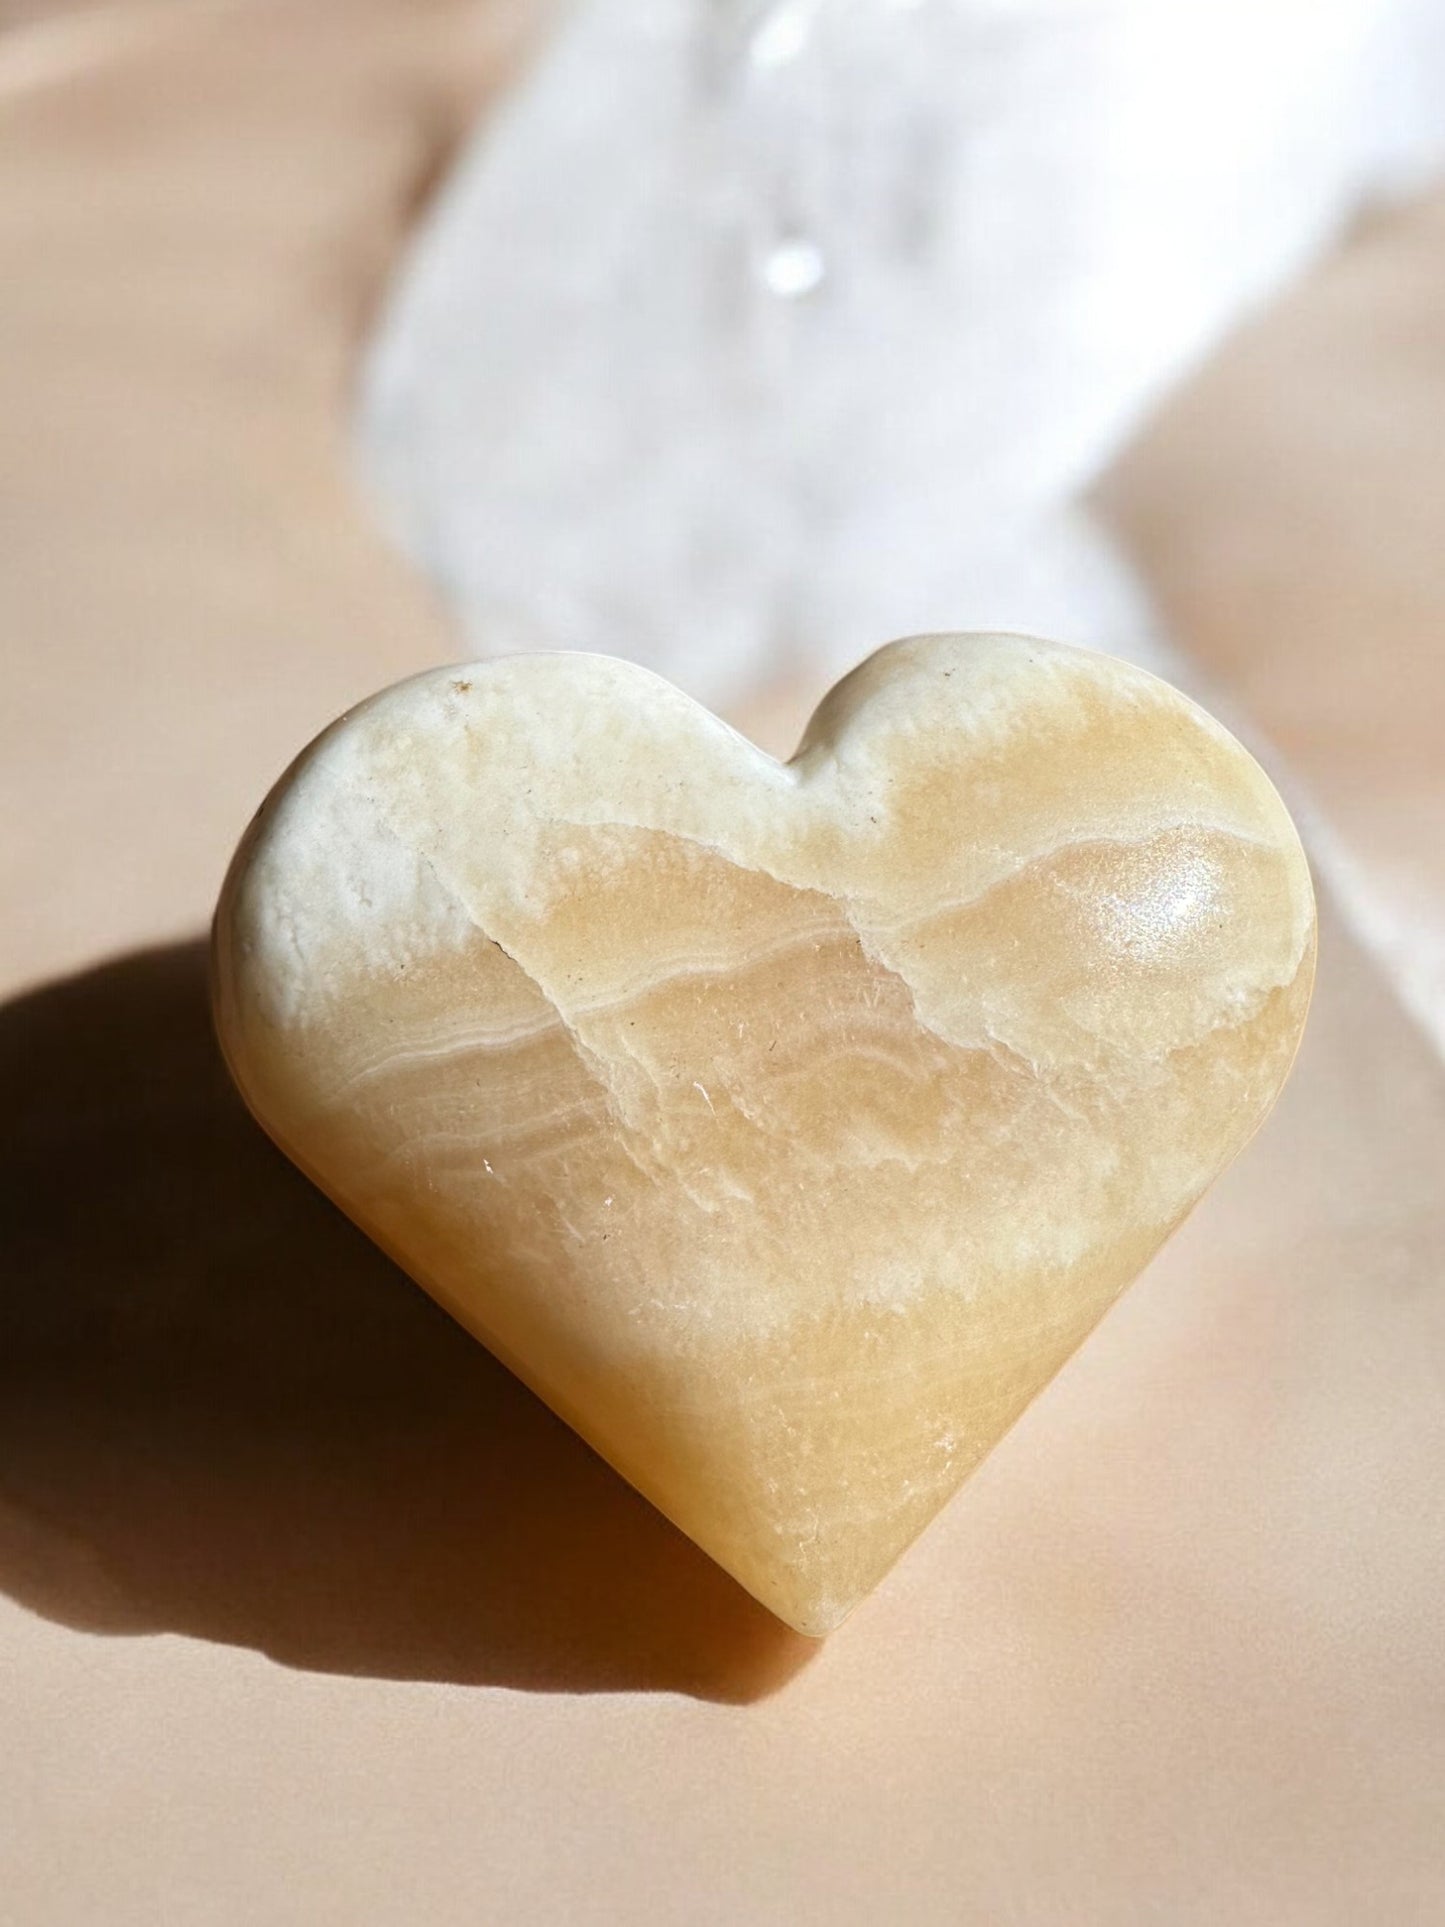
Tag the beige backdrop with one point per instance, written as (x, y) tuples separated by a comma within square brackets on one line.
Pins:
[(309, 1613)]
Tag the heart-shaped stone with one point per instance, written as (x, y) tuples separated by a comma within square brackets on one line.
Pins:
[(785, 1127)]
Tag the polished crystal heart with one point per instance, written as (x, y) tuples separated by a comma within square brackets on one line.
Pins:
[(786, 1127)]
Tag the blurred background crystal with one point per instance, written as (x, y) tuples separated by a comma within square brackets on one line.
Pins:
[(307, 1612), (748, 334)]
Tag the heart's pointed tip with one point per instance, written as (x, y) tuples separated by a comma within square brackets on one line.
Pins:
[(821, 1626), (812, 1610), (813, 1623)]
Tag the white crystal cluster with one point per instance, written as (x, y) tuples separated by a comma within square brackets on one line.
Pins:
[(748, 333)]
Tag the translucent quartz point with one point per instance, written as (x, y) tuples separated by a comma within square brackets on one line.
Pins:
[(785, 1127)]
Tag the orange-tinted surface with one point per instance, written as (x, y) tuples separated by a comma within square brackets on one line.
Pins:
[(310, 1614)]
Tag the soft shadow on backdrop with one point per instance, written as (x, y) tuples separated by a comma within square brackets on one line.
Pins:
[(1173, 1656), (224, 1413)]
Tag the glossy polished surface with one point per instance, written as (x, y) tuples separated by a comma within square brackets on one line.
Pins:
[(307, 1612), (786, 1127)]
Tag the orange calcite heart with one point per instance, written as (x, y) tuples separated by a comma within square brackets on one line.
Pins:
[(785, 1127)]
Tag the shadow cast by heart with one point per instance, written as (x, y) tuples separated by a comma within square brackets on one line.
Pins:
[(223, 1413)]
